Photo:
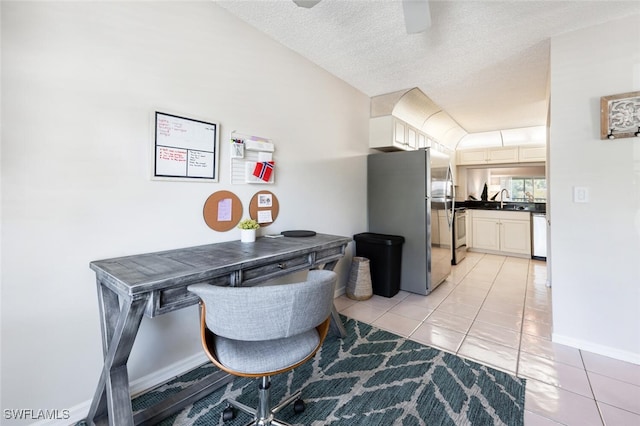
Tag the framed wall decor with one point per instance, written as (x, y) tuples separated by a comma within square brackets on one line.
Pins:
[(185, 148), (620, 116)]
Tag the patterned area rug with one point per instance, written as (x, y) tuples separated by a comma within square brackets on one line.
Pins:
[(371, 377)]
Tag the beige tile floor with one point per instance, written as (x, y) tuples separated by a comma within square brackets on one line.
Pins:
[(496, 310)]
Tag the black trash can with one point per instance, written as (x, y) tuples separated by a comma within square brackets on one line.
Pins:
[(385, 256)]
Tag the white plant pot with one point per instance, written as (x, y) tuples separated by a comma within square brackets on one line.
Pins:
[(247, 235)]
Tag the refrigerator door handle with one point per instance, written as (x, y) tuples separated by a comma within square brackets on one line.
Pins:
[(452, 198)]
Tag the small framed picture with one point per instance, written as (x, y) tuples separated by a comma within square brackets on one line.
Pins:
[(265, 200)]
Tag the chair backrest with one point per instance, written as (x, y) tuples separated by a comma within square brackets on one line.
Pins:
[(268, 312)]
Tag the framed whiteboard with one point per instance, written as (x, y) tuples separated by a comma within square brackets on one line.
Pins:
[(185, 148)]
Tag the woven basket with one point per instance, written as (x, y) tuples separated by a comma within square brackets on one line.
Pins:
[(359, 285)]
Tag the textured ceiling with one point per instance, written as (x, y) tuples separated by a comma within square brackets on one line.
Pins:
[(484, 62)]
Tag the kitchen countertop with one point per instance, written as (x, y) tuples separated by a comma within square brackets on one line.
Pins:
[(507, 206)]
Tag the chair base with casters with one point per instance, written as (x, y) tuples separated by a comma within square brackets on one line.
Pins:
[(285, 330), (264, 414)]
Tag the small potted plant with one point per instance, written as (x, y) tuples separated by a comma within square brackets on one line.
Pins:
[(248, 230)]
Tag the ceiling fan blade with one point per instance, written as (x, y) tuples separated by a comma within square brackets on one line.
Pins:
[(306, 3), (417, 17)]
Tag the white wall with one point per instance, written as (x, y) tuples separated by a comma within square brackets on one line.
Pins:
[(79, 81), (596, 245)]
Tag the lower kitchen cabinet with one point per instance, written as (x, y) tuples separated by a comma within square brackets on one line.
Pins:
[(501, 232)]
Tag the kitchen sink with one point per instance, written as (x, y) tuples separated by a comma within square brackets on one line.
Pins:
[(515, 208)]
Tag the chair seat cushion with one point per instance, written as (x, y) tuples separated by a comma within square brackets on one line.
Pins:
[(275, 355)]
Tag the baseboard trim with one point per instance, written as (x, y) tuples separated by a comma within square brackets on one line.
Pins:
[(154, 379), (618, 354), (499, 253), (79, 412)]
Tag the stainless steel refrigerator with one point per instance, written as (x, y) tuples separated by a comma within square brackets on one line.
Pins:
[(411, 193)]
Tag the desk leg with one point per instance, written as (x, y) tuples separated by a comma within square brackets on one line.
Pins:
[(119, 329), (336, 327)]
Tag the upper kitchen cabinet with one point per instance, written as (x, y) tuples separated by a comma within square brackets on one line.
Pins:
[(526, 145), (488, 156), (529, 154), (391, 134), (502, 155)]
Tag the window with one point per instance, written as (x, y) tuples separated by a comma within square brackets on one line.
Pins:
[(531, 189)]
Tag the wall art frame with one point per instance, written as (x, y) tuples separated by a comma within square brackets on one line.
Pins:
[(620, 116)]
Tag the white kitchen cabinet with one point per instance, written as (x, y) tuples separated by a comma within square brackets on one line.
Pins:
[(400, 133), (529, 154), (515, 235), (391, 134), (501, 232), (502, 155), (486, 233), (472, 156), (422, 140), (412, 137), (488, 156)]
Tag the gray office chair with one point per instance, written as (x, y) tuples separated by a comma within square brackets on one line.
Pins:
[(263, 331)]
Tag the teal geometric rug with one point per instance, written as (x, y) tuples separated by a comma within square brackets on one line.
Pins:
[(371, 377)]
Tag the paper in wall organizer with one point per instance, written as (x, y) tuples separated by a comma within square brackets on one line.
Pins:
[(263, 170), (255, 145), (259, 171)]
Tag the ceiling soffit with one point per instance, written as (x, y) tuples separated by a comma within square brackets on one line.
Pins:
[(415, 108), (418, 110)]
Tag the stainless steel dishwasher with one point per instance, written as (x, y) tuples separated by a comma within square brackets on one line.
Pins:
[(539, 236)]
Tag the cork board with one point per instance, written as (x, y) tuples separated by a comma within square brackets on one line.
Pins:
[(222, 211), (264, 208)]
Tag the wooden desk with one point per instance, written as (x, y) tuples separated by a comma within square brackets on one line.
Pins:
[(156, 283)]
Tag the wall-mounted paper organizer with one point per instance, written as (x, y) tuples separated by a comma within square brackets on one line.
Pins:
[(252, 159)]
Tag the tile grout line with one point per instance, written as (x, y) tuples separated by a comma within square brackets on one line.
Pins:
[(593, 393), (475, 318), (457, 350), (526, 288), (442, 301)]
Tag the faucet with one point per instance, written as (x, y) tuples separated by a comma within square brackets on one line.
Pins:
[(502, 197)]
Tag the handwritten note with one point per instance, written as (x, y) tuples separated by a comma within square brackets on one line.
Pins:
[(224, 210), (171, 161), (264, 216)]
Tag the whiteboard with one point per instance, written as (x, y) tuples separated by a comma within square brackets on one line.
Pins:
[(185, 148)]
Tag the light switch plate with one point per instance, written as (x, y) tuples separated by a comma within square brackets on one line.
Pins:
[(580, 194)]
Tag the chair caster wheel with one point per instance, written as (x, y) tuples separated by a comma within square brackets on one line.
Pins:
[(228, 413), (298, 406)]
